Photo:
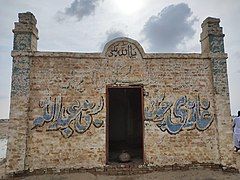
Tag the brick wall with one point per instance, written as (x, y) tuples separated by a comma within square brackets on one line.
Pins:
[(180, 75), (58, 103)]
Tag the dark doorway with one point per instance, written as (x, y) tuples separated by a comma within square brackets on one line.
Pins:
[(125, 125)]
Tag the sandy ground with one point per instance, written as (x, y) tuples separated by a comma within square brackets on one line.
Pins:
[(178, 175)]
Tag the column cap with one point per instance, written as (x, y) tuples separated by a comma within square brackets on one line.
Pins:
[(210, 20), (210, 26), (26, 23)]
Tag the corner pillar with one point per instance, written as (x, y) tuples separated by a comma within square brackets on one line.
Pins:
[(25, 39), (212, 44)]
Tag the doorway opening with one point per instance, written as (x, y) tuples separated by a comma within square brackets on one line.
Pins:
[(125, 123)]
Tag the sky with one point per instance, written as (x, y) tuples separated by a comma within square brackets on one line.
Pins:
[(86, 26)]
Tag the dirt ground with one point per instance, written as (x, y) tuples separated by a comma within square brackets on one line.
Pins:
[(179, 175), (193, 174)]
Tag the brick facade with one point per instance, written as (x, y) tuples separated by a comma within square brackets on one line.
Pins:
[(55, 125)]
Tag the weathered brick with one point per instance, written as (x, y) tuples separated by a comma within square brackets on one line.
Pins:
[(41, 79)]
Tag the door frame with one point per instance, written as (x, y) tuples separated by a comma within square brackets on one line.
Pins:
[(107, 115)]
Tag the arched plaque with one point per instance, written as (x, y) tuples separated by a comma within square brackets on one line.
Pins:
[(123, 47)]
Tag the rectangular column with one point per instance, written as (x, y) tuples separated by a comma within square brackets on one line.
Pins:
[(213, 45), (25, 39)]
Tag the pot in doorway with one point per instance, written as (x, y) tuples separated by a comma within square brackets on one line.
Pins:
[(124, 157)]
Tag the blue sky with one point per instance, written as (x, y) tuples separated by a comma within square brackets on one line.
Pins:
[(86, 25)]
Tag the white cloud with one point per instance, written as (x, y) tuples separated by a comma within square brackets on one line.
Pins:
[(169, 28), (78, 9)]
